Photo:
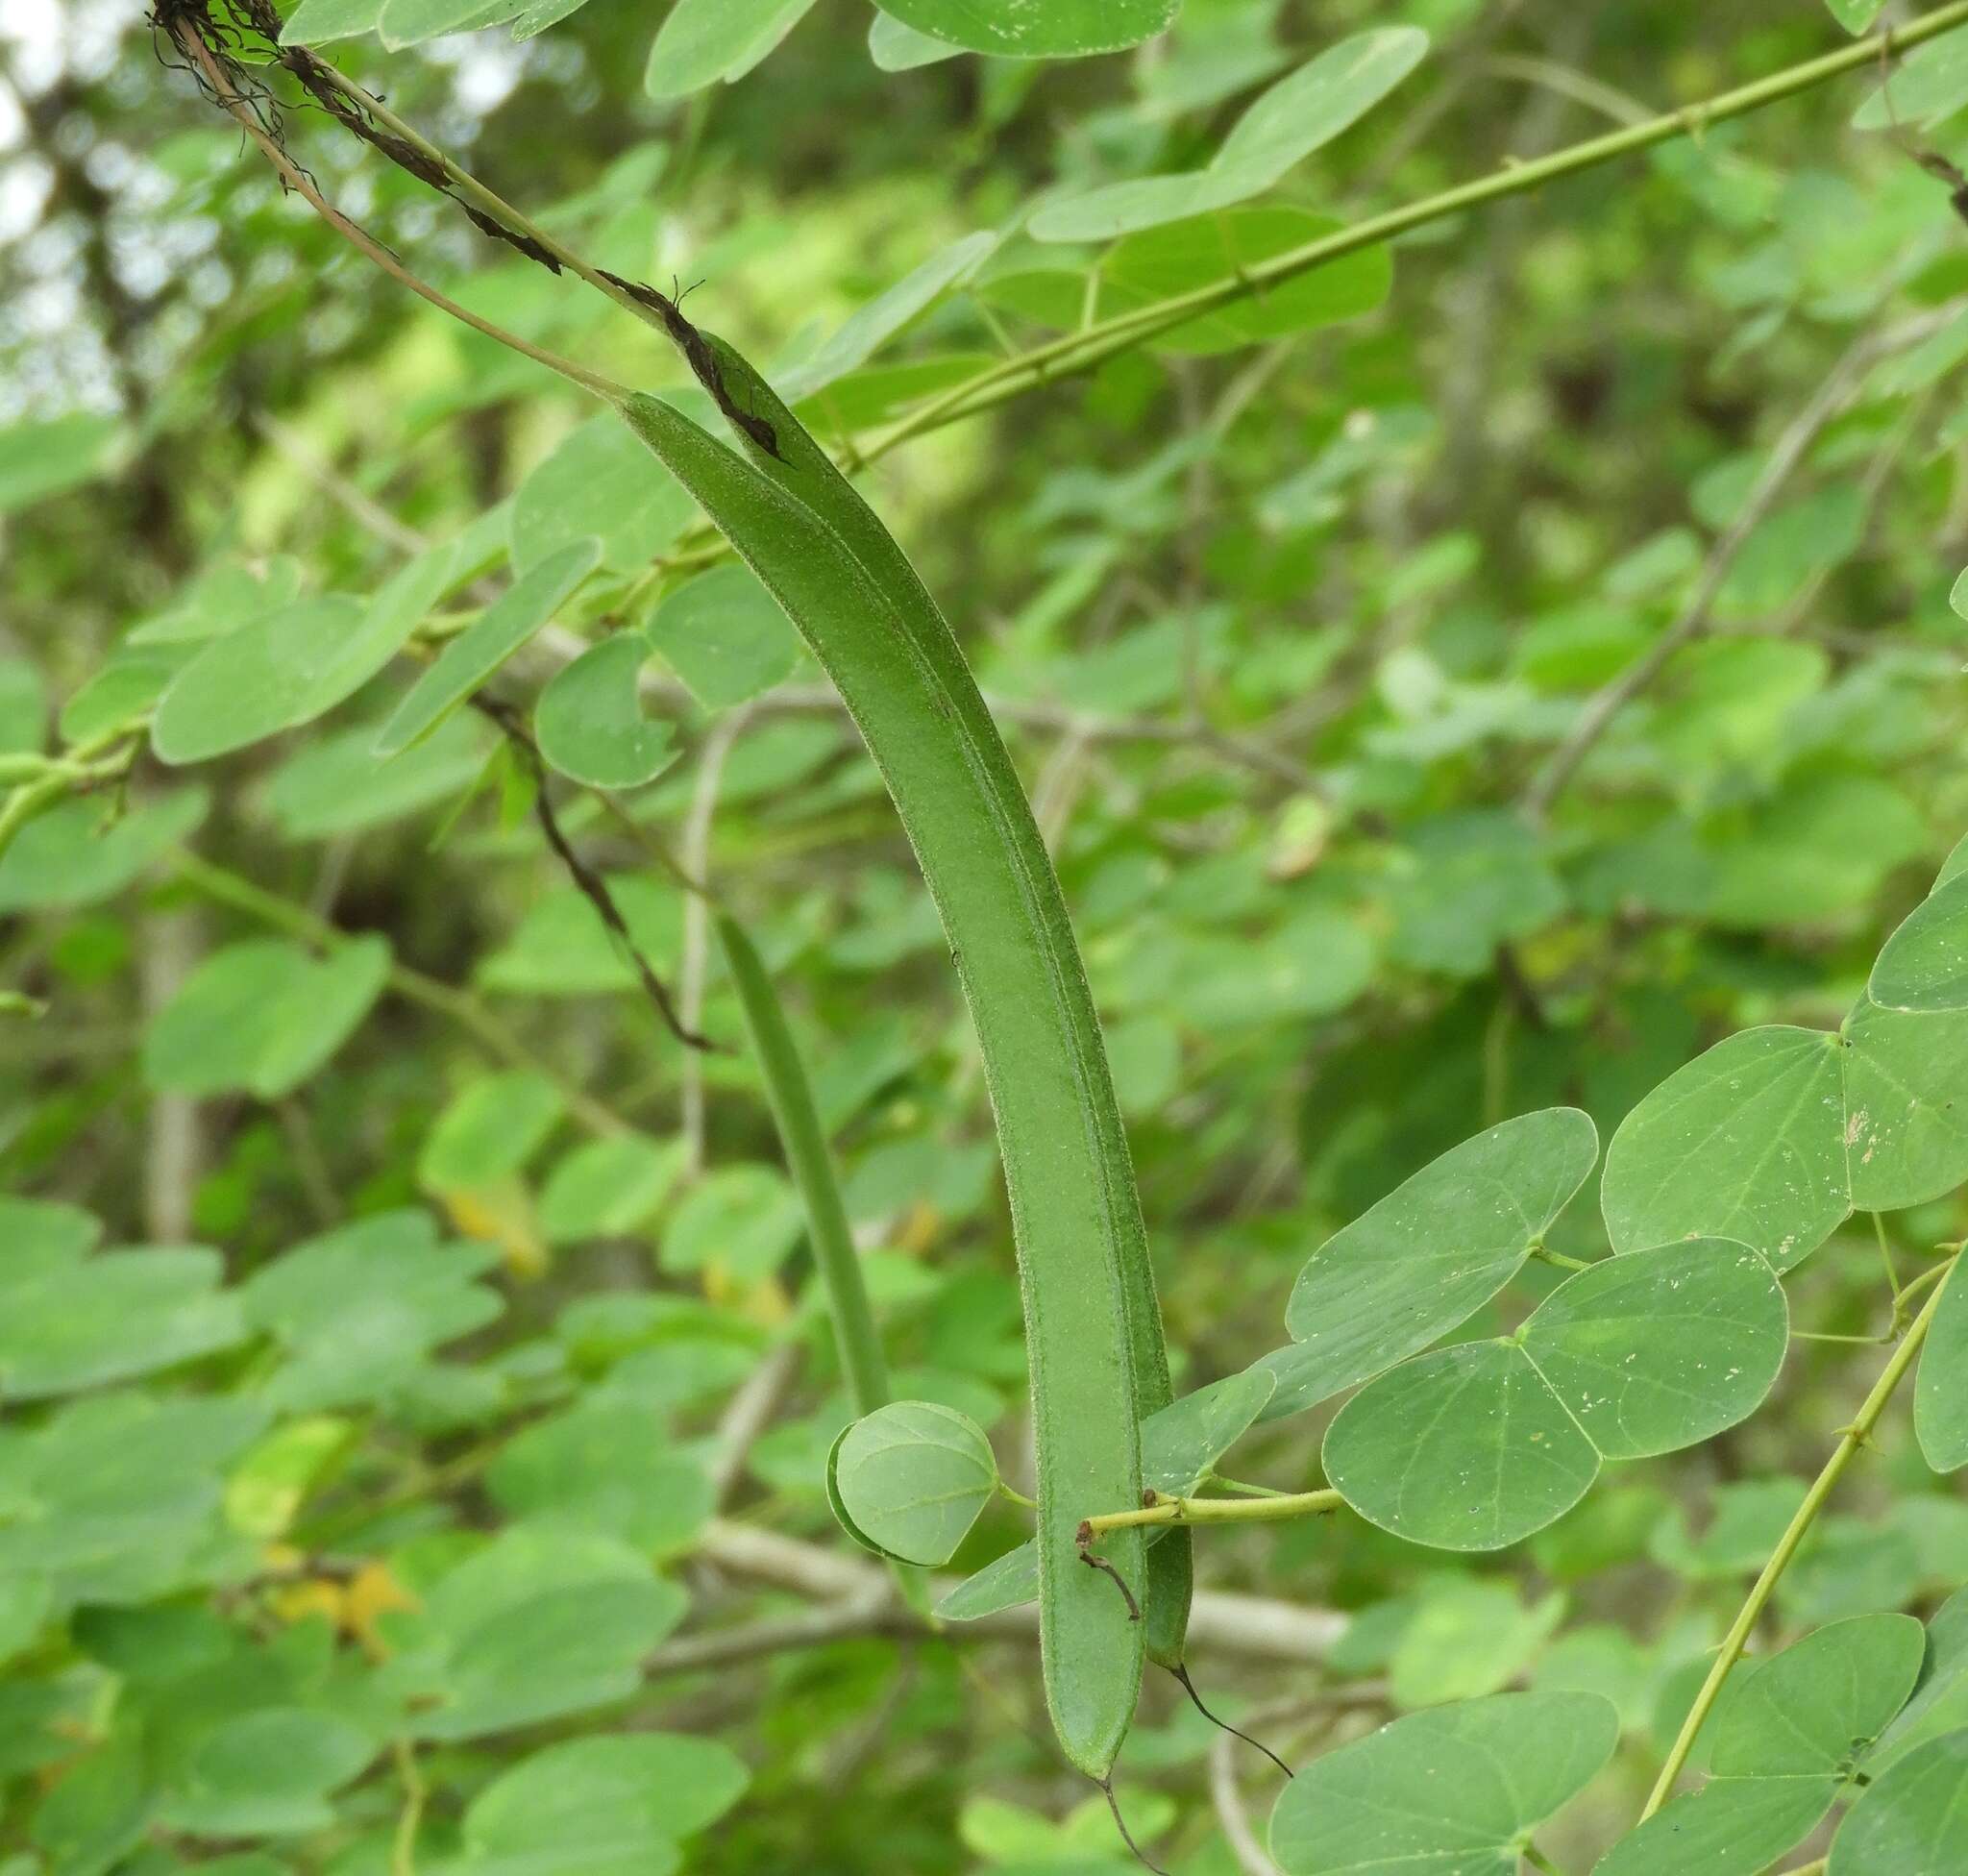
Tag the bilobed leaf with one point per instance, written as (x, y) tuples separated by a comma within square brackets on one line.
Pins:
[(702, 41), (1450, 1792), (1940, 1397), (1924, 965), (1746, 1142), (1429, 1255), (1297, 114), (263, 1015), (1463, 1449), (911, 1478), (484, 645), (1913, 1820), (724, 635), (1905, 1105), (1662, 1348), (1182, 1441), (1009, 1582), (589, 721), (1014, 29)]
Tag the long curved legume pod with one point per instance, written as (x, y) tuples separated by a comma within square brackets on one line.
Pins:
[(1093, 1328)]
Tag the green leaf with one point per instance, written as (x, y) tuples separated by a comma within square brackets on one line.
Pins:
[(1940, 1397), (598, 483), (1745, 1142), (1468, 1639), (545, 1621), (67, 1325), (1924, 965), (1008, 1583), (1463, 1449), (315, 22), (1183, 1442), (1478, 879), (911, 1478), (562, 948), (73, 856), (898, 48), (703, 40), (1905, 1105), (263, 1015), (1061, 29), (1429, 1255), (1458, 1789), (40, 460), (483, 645), (606, 1467), (1297, 114), (489, 1131), (1855, 15), (1914, 1819), (267, 1773), (611, 1805), (1662, 1348), (411, 23), (1929, 83), (1187, 255), (358, 1310), (1728, 1827), (724, 636), (1815, 1708), (23, 707), (267, 676), (606, 1188), (1940, 1700), (872, 325), (589, 722), (339, 785), (742, 1220)]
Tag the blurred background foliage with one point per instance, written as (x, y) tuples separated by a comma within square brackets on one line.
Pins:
[(389, 1509)]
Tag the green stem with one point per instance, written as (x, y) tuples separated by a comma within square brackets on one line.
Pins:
[(1219, 1510), (1734, 1642), (460, 1006), (1081, 350), (804, 1142), (1878, 1225), (1017, 1496), (1545, 1255), (1538, 1859), (1248, 1491)]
